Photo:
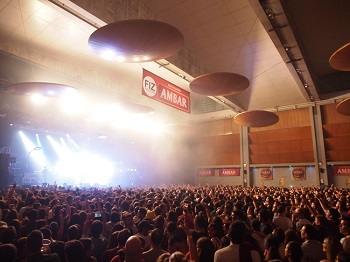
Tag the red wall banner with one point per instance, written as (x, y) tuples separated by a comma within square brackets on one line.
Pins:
[(161, 90), (340, 170), (205, 172), (229, 172)]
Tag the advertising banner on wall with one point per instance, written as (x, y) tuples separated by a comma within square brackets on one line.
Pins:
[(282, 181), (229, 172), (205, 172), (161, 90), (298, 173), (340, 170), (266, 173)]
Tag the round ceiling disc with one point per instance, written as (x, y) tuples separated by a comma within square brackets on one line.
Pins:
[(256, 118), (219, 84), (41, 88), (344, 107), (136, 40), (340, 59)]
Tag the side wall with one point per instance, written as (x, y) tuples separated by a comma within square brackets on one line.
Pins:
[(313, 139)]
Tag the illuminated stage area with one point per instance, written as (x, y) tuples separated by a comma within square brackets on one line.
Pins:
[(45, 158), (79, 160)]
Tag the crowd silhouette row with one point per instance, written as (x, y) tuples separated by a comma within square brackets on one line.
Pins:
[(175, 223)]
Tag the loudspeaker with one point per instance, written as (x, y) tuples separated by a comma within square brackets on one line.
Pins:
[(4, 161)]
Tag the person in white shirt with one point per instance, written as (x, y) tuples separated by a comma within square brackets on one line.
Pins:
[(281, 221), (238, 250)]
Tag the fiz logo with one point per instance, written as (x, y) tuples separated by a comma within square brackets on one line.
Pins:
[(149, 86)]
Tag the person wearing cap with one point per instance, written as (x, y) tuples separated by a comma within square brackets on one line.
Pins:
[(129, 223)]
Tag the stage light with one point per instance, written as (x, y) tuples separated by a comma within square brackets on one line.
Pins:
[(38, 99)]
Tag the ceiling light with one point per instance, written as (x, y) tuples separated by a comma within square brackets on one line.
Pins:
[(135, 40), (287, 47), (219, 84)]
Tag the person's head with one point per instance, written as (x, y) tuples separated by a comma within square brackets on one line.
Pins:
[(144, 227), (213, 229), (280, 234), (205, 249), (123, 237), (170, 228), (8, 252), (8, 235), (264, 215), (331, 246), (32, 215), (159, 222), (272, 245), (74, 250), (96, 228), (177, 257), (281, 209), (157, 237), (291, 235), (73, 232), (332, 214), (321, 220), (237, 231), (133, 249), (142, 212), (88, 247), (47, 234), (177, 243), (343, 257), (34, 242), (308, 232), (344, 226), (128, 220), (115, 217), (293, 251)]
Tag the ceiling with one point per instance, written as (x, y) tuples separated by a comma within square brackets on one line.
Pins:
[(282, 47)]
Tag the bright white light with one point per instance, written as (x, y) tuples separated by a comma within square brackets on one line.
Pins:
[(82, 167), (136, 59), (73, 104), (120, 58), (38, 99), (35, 153), (108, 54), (60, 150)]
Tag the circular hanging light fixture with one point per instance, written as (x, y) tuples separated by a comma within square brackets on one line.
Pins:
[(256, 118), (219, 84), (41, 88), (344, 107), (136, 40), (340, 59)]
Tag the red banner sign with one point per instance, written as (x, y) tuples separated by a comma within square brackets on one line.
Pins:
[(341, 170), (161, 90), (229, 172), (206, 172)]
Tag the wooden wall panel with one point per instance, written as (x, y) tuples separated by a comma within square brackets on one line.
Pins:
[(334, 143), (258, 137), (288, 119), (331, 116)]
